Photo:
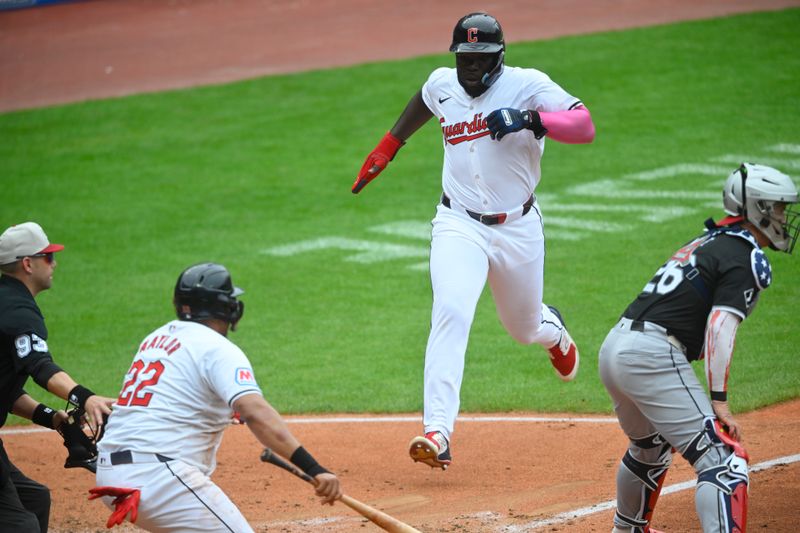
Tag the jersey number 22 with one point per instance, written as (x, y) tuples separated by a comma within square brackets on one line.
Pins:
[(131, 393)]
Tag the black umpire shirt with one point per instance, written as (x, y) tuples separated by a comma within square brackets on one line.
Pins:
[(23, 345), (23, 353), (724, 267)]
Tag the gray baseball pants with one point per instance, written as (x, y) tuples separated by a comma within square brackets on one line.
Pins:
[(661, 406)]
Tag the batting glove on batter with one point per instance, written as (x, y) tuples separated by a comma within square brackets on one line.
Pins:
[(125, 501), (377, 161), (506, 120)]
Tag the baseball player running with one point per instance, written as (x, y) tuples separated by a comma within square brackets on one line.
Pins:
[(494, 120), (691, 310), (186, 381)]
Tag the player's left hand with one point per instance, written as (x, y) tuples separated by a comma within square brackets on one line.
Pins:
[(507, 120), (328, 487), (96, 408)]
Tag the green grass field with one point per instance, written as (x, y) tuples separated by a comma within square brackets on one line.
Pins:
[(138, 188)]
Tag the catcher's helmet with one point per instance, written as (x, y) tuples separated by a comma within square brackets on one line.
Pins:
[(767, 198), (206, 291), (480, 33)]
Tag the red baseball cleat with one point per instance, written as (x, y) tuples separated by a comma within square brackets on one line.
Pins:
[(564, 356)]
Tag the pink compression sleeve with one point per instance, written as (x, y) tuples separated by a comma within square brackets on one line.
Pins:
[(573, 127)]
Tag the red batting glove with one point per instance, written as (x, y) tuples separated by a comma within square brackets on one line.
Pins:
[(125, 501), (377, 161)]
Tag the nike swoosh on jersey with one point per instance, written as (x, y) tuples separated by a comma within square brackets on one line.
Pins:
[(443, 100)]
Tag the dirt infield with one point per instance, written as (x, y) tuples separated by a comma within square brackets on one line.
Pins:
[(508, 475)]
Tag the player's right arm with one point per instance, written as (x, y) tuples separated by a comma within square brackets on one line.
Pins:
[(271, 430), (413, 117), (720, 338), (743, 273), (63, 386)]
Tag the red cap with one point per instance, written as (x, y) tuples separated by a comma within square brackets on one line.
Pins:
[(52, 248)]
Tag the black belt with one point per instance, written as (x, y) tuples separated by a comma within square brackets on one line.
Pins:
[(125, 457), (491, 219), (637, 325)]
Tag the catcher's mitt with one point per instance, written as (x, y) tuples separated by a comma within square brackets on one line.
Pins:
[(81, 447)]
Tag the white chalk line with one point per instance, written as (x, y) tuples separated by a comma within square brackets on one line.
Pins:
[(530, 526), (491, 516), (477, 418), (311, 523), (612, 504), (391, 419), (19, 431)]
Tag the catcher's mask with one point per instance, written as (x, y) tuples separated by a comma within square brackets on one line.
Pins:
[(767, 198), (478, 33), (81, 446), (206, 291)]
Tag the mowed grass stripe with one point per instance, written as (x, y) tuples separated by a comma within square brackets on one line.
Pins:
[(140, 187)]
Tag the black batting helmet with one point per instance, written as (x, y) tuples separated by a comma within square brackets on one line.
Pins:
[(478, 33), (206, 291)]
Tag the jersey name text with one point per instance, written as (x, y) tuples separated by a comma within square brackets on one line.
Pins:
[(160, 342), (465, 131)]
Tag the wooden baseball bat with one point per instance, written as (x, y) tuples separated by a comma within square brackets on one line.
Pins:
[(379, 518)]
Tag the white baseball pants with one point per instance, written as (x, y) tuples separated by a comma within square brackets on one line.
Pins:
[(175, 496), (464, 254)]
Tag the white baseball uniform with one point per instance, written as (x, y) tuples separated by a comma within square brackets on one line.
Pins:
[(485, 176), (166, 426)]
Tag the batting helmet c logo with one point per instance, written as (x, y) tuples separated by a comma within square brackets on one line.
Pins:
[(472, 35)]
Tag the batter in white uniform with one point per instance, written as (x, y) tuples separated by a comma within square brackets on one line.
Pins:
[(186, 381), (488, 225)]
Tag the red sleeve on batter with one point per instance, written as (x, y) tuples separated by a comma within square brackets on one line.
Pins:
[(573, 127)]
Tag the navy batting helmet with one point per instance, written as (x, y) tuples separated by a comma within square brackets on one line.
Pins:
[(206, 291)]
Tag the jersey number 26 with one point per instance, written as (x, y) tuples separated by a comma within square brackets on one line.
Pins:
[(681, 265)]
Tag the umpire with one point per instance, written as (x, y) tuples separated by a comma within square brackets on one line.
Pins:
[(27, 262)]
